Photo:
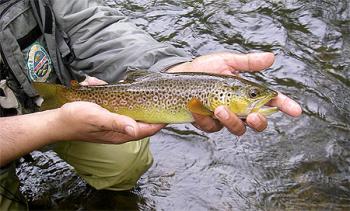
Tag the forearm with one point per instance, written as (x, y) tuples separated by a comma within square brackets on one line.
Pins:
[(117, 43), (20, 135)]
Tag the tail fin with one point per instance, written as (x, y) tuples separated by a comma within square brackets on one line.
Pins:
[(52, 94)]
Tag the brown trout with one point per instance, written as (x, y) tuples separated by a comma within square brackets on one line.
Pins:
[(166, 97)]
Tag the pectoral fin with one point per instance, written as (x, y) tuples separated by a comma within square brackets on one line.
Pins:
[(197, 107)]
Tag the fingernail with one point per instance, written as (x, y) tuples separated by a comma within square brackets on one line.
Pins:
[(222, 113), (130, 130), (295, 109), (95, 81), (255, 120), (84, 83)]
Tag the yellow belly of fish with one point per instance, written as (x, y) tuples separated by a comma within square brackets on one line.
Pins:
[(156, 115)]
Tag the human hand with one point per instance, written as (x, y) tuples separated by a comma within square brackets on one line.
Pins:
[(90, 122), (229, 63)]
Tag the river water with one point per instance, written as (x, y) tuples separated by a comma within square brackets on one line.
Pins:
[(297, 163)]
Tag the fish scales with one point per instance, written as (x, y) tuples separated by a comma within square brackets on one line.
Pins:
[(161, 97)]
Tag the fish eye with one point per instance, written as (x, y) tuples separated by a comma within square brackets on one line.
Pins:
[(254, 92)]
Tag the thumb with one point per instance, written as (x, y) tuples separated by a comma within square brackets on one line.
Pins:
[(109, 121), (249, 62), (124, 124), (92, 81)]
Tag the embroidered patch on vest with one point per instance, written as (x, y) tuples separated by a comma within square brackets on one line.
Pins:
[(39, 63)]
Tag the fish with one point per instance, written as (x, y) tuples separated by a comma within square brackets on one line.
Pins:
[(166, 97)]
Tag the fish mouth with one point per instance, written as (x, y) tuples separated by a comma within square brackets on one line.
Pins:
[(260, 107)]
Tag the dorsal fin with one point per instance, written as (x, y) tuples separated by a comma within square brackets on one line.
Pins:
[(197, 107), (133, 75)]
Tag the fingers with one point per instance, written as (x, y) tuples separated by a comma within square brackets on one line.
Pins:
[(146, 130), (257, 121), (206, 123), (249, 62), (224, 118), (121, 129), (230, 120), (107, 121), (92, 81), (126, 129), (286, 105), (227, 63)]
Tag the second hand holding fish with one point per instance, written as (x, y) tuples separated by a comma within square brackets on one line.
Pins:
[(229, 63)]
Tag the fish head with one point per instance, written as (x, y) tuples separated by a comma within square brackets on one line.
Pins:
[(253, 99), (245, 97)]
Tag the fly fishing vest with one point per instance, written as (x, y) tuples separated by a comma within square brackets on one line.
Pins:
[(33, 48)]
